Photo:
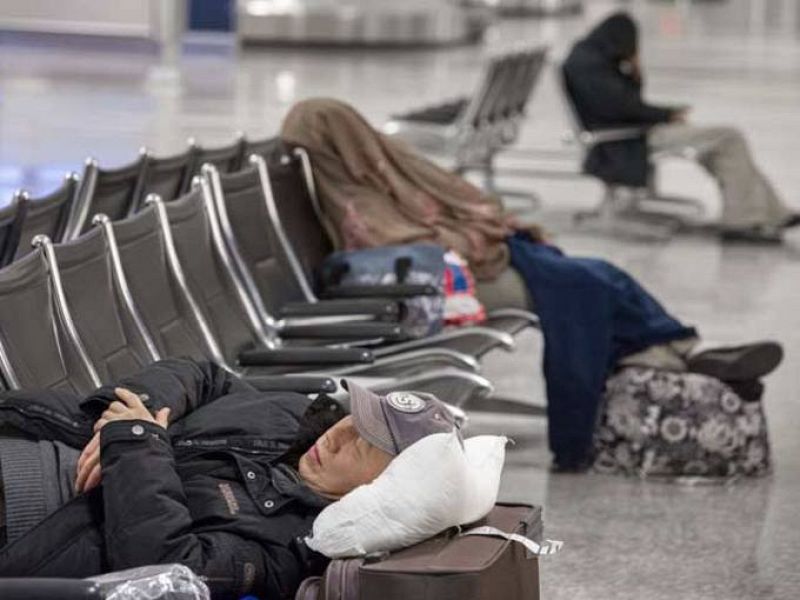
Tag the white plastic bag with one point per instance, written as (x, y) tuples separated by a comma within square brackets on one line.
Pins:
[(155, 582), (431, 486)]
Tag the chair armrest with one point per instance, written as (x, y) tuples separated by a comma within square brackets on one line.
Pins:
[(376, 307), (396, 290), (345, 330), (302, 384), (305, 356), (611, 134), (35, 588)]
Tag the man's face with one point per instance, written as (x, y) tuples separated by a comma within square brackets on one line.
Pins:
[(341, 460)]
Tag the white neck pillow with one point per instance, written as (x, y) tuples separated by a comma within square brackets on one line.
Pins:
[(431, 486)]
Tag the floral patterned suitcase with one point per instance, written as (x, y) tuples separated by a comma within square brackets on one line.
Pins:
[(664, 423)]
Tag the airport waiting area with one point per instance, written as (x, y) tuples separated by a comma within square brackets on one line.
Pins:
[(356, 300)]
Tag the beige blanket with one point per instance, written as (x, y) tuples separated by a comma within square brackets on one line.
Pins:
[(375, 191)]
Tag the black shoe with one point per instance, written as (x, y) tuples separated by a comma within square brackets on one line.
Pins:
[(737, 363), (749, 391), (792, 220), (751, 235)]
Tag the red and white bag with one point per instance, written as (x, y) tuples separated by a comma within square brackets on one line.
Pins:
[(461, 306)]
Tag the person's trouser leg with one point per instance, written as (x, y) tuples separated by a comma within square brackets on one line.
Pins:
[(749, 199)]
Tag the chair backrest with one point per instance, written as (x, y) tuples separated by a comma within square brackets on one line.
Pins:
[(104, 315), (243, 205), (112, 192), (530, 67), (12, 217), (482, 107), (226, 159), (146, 267), (47, 215), (266, 147), (298, 213), (565, 94), (505, 99), (38, 348), (168, 177), (210, 275)]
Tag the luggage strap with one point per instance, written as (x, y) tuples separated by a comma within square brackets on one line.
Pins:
[(543, 549)]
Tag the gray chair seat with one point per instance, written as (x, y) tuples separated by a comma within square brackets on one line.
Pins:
[(212, 280), (277, 243)]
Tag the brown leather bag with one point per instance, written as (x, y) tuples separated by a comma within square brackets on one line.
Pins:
[(446, 567)]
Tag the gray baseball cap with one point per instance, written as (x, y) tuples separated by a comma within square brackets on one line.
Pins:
[(395, 421)]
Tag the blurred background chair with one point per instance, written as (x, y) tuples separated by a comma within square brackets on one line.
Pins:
[(47, 215), (472, 131)]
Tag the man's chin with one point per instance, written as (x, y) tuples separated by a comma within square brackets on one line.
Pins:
[(302, 465)]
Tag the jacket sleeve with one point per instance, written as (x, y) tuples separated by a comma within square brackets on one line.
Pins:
[(147, 521), (617, 101), (46, 415), (183, 385)]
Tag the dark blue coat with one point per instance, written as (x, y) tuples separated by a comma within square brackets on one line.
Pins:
[(592, 314)]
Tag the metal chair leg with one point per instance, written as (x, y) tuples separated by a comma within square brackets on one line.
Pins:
[(683, 204), (490, 185), (619, 216)]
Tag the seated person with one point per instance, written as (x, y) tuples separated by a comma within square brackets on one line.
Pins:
[(375, 191), (197, 467), (603, 76)]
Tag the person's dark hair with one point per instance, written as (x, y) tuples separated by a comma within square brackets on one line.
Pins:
[(321, 415), (617, 37)]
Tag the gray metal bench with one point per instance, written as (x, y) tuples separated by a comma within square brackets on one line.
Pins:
[(474, 130)]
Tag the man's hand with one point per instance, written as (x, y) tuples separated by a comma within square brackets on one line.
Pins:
[(129, 407)]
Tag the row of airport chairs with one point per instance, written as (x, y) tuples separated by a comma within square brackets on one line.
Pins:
[(65, 213), (223, 272), (473, 130)]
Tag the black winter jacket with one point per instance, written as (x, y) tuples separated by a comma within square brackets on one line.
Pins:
[(208, 493), (604, 97)]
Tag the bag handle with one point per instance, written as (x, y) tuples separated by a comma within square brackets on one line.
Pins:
[(402, 267), (338, 272), (544, 549)]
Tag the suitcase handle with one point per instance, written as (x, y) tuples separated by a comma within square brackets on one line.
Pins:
[(543, 549)]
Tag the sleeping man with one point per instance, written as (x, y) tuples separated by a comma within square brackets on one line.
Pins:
[(185, 463)]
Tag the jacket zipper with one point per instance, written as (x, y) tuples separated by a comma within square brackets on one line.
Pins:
[(47, 415), (189, 446)]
